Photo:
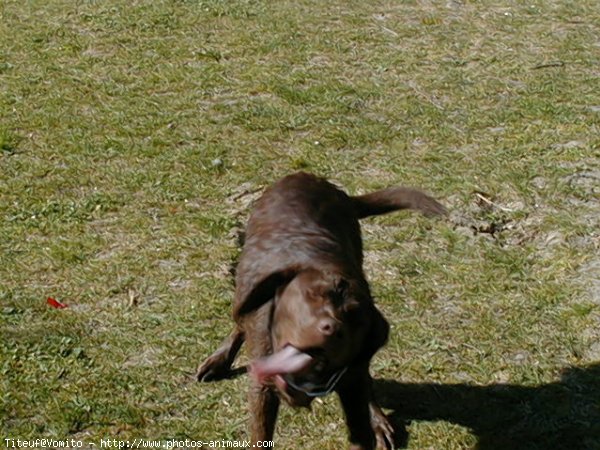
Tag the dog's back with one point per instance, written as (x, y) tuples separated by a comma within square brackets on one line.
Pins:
[(302, 221)]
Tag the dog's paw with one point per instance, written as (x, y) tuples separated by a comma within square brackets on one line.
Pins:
[(383, 429), (429, 206), (215, 367)]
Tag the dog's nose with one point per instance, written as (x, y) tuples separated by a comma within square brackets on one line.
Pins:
[(328, 326)]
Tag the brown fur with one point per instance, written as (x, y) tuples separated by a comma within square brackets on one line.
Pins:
[(300, 280)]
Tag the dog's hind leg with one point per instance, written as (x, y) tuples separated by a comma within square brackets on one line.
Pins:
[(218, 365)]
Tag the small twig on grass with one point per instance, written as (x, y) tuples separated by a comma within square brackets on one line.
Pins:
[(547, 65), (133, 298), (487, 201), (387, 30)]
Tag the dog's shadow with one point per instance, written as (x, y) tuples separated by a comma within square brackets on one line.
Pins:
[(561, 415)]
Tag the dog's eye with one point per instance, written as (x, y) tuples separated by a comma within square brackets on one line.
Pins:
[(352, 307), (339, 292), (342, 287), (335, 297)]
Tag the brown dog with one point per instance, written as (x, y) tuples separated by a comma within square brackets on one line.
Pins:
[(303, 304)]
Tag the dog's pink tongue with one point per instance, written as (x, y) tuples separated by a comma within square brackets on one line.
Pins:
[(287, 360)]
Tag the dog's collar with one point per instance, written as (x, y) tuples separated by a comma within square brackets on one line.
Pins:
[(316, 390)]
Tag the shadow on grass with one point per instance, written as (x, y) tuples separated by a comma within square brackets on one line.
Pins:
[(561, 415)]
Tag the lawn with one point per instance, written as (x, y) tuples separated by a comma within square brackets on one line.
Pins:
[(135, 135)]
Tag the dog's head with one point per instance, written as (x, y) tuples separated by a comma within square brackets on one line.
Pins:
[(323, 322)]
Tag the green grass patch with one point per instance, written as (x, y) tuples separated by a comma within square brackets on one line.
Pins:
[(135, 135)]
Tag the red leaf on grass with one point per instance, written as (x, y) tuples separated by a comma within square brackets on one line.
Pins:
[(55, 303)]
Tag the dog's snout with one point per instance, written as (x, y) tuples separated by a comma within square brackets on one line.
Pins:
[(328, 326)]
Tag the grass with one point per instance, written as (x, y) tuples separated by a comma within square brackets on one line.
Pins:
[(134, 135)]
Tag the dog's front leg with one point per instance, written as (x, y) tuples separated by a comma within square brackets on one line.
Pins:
[(262, 400), (264, 405), (218, 365), (355, 394)]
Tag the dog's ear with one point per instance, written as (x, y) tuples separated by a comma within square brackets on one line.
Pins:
[(252, 294)]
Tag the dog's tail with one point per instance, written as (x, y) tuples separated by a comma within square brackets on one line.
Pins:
[(395, 198)]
